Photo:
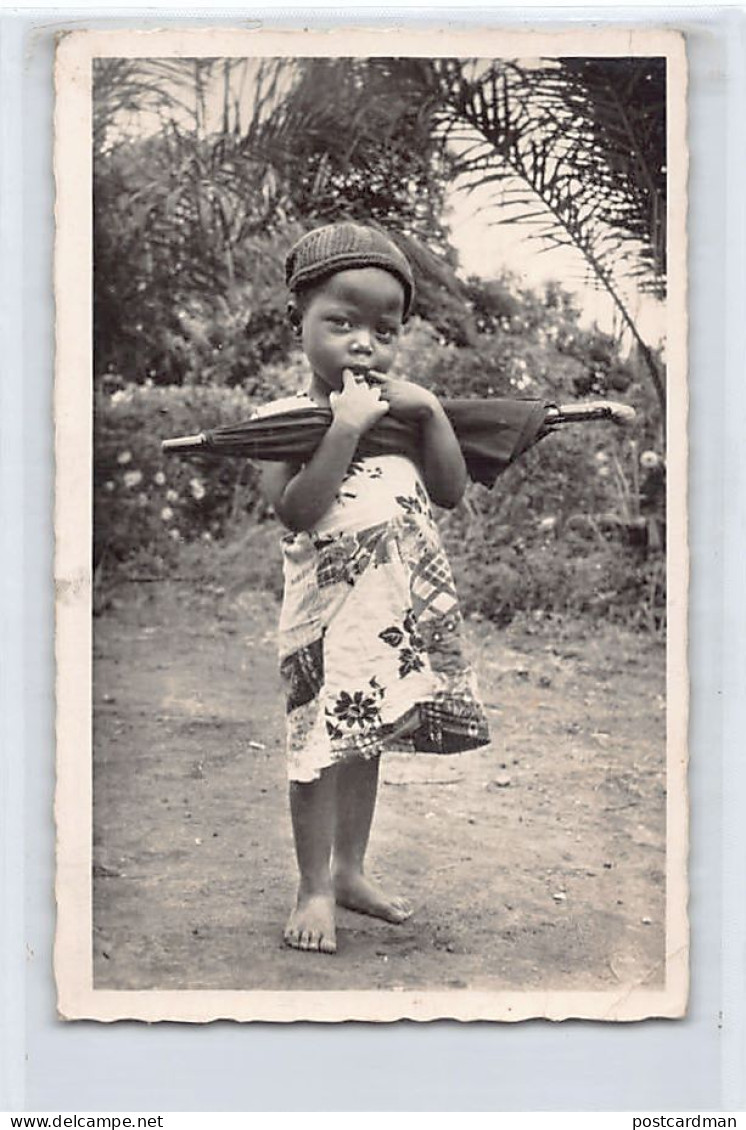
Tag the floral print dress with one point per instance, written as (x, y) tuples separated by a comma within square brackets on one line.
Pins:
[(370, 635)]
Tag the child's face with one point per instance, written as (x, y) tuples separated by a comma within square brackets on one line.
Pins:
[(352, 321)]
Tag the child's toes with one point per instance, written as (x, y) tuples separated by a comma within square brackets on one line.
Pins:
[(311, 925), (401, 909)]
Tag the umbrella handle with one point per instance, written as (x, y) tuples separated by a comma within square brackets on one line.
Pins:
[(591, 410), (184, 443)]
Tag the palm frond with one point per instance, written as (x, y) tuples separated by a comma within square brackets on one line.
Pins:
[(585, 141)]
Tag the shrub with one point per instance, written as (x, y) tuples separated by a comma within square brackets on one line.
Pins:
[(558, 533), (147, 504)]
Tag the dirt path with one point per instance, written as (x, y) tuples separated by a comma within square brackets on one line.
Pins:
[(537, 863)]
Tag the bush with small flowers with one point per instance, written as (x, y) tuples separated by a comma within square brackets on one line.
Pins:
[(147, 504)]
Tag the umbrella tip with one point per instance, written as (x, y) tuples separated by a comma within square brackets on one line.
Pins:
[(622, 414), (608, 409)]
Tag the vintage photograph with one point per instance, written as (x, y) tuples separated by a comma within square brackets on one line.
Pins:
[(371, 525)]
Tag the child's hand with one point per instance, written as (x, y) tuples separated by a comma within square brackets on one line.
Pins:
[(358, 406), (406, 401)]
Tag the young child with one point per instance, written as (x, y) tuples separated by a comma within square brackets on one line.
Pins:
[(370, 630)]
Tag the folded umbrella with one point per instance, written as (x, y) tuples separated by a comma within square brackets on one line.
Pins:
[(492, 433)]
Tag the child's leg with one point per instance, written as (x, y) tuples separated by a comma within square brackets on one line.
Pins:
[(357, 788), (312, 808)]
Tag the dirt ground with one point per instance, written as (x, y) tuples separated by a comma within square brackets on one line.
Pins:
[(535, 863)]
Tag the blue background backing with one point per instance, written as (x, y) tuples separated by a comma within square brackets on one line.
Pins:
[(697, 1063)]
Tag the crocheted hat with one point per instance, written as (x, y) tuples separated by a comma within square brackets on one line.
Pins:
[(343, 247)]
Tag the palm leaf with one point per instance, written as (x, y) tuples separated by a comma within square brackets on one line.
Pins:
[(584, 140)]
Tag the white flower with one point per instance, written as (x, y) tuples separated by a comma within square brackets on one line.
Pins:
[(547, 523), (109, 485), (119, 396), (159, 478), (132, 478), (167, 513), (174, 534), (649, 460), (601, 457), (197, 489), (172, 495), (207, 536), (124, 457)]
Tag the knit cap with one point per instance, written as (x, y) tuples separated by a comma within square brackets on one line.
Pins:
[(343, 247)]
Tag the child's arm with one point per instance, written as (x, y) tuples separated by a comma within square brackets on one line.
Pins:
[(302, 497), (443, 463)]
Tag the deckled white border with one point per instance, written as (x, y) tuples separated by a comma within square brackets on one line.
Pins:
[(73, 400)]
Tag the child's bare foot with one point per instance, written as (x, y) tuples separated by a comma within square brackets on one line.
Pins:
[(311, 924), (356, 891)]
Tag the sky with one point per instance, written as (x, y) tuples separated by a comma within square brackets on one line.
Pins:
[(486, 248)]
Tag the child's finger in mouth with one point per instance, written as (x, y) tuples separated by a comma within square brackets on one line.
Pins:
[(360, 376)]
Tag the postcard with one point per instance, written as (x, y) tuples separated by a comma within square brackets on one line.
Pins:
[(371, 526)]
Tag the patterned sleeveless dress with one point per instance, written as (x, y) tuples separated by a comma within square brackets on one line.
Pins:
[(370, 635)]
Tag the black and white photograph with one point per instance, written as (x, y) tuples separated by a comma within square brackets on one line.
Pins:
[(371, 525)]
